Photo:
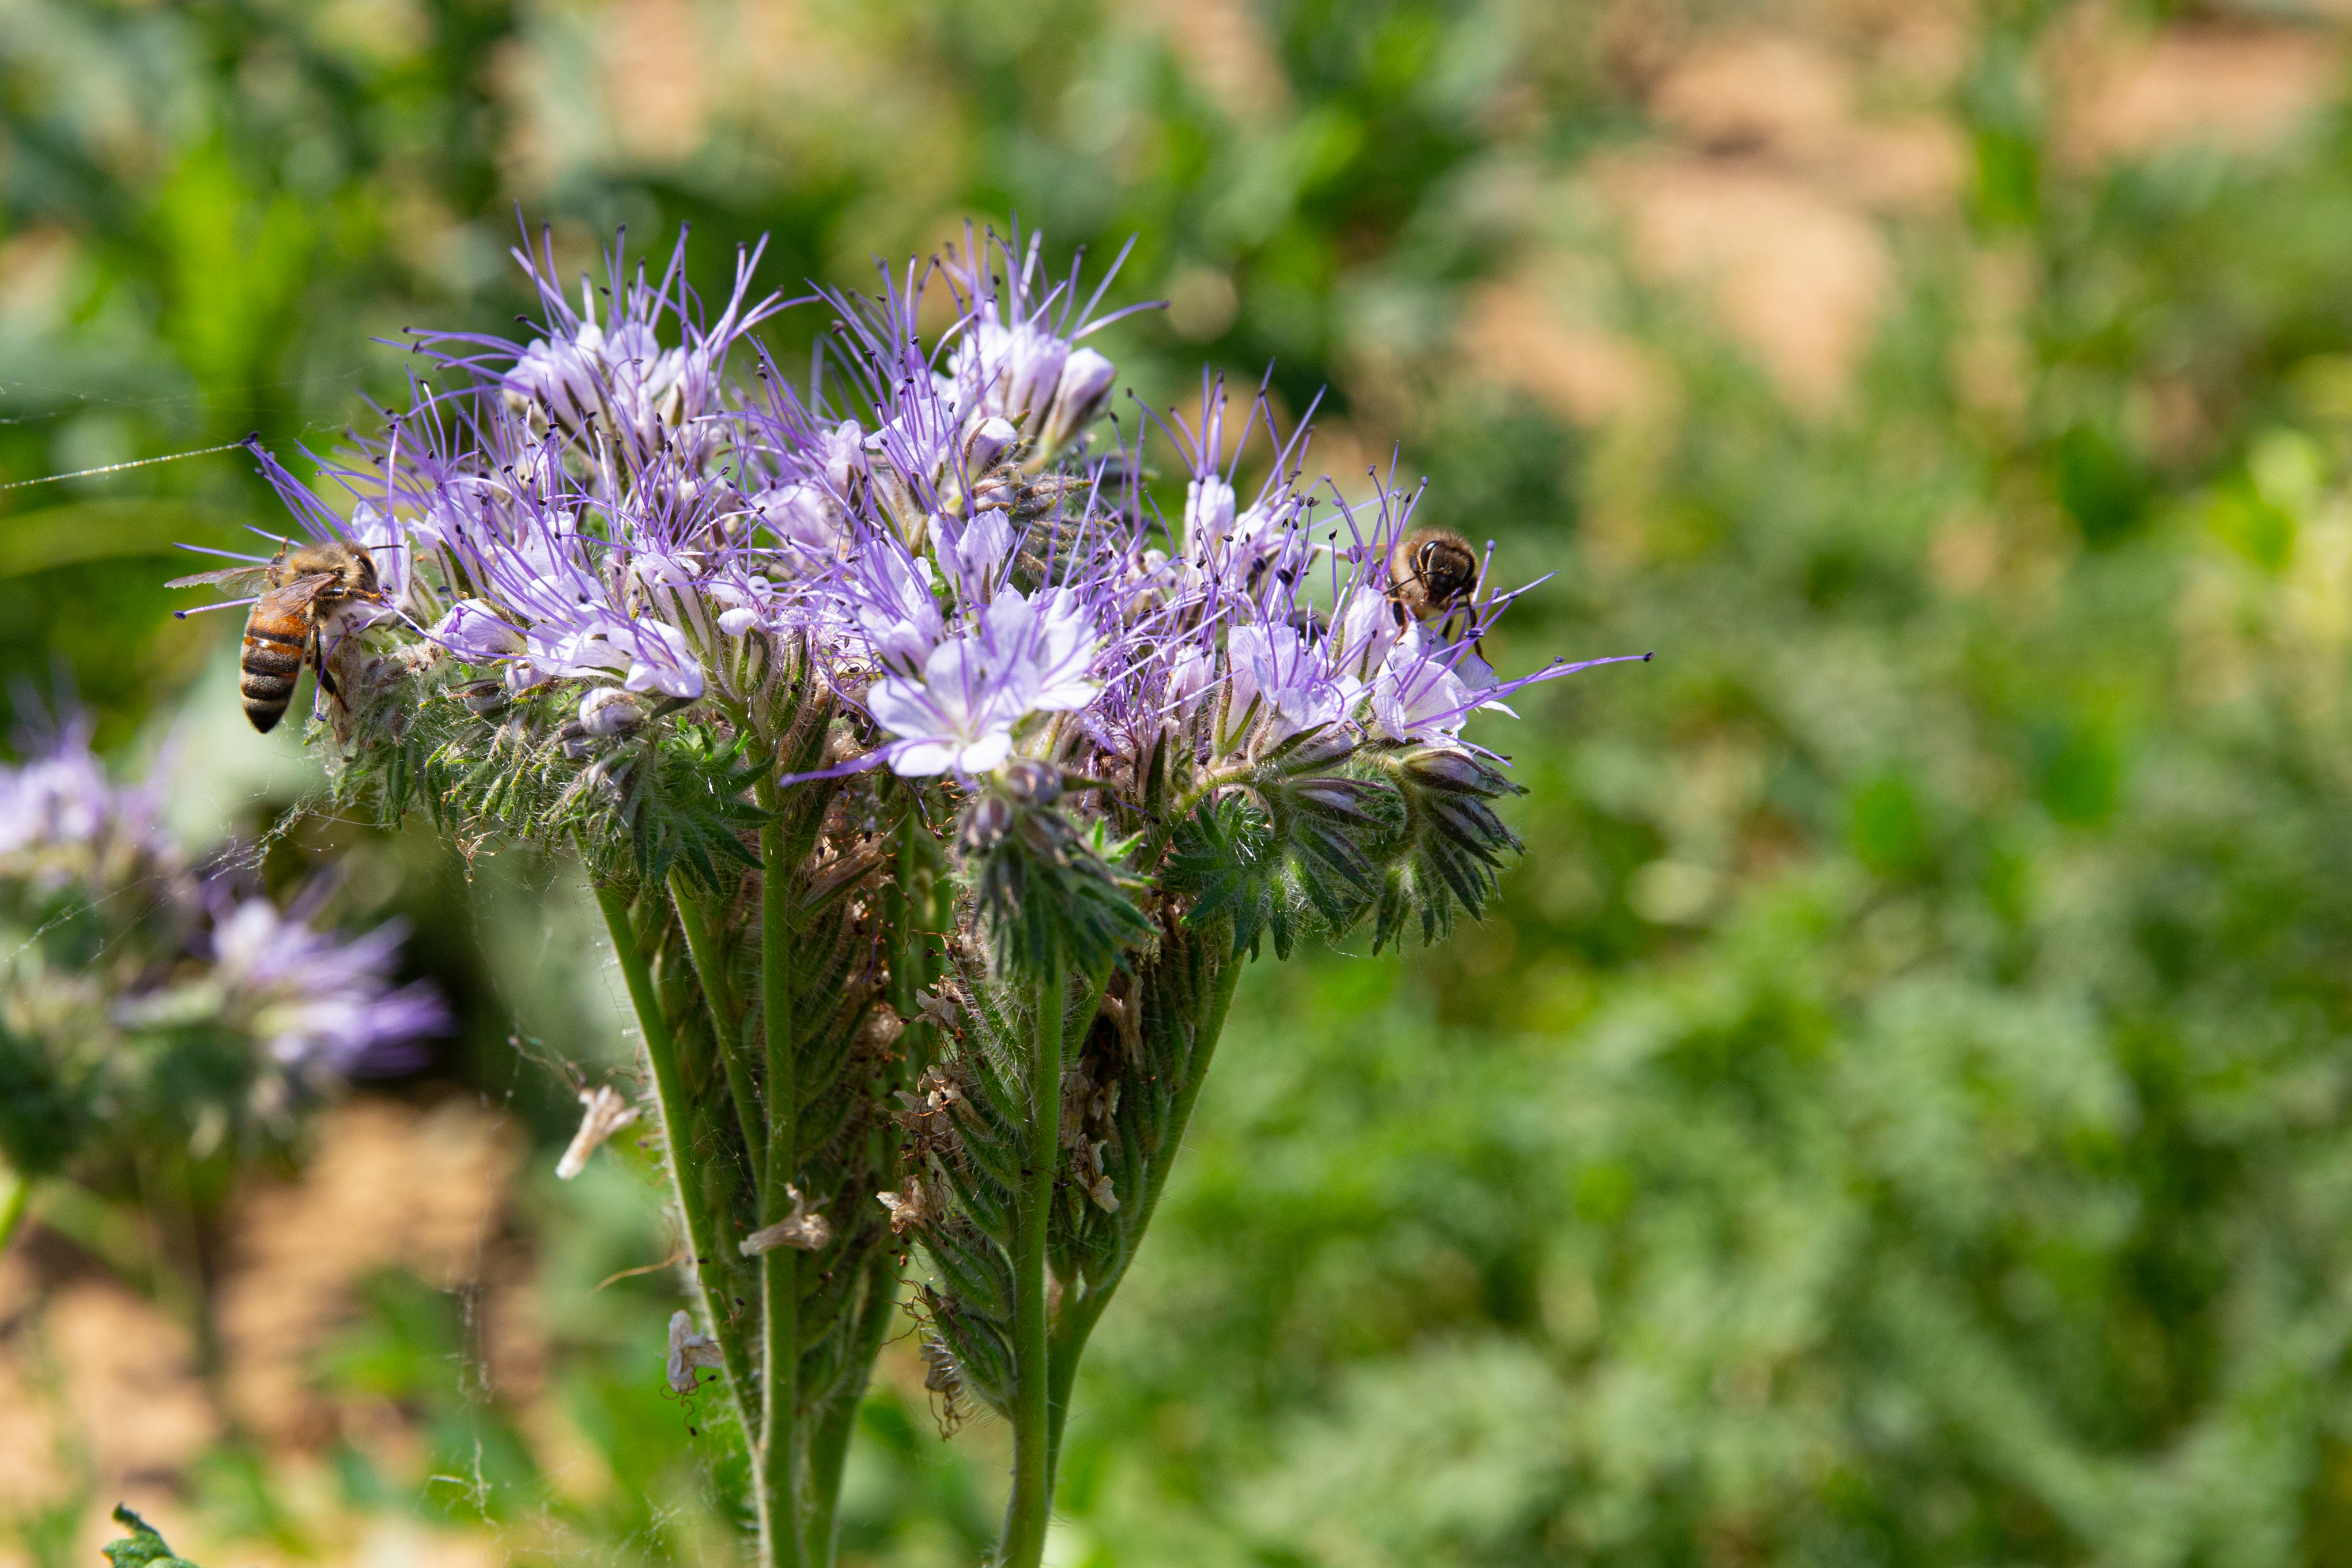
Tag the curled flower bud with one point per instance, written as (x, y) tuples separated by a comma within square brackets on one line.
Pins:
[(988, 441), (478, 633), (1034, 782), (1085, 387), (984, 824), (607, 710), (484, 698), (1451, 769), (803, 516)]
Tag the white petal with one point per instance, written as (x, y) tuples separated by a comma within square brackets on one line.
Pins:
[(923, 758), (985, 753)]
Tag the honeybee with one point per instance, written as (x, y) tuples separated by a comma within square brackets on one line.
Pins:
[(303, 589), (1432, 573)]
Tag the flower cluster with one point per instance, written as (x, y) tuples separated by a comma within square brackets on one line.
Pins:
[(64, 822), (973, 570), (939, 748), (139, 992)]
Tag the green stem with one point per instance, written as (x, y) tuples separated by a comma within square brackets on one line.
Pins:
[(726, 1022), (828, 1444), (16, 1202), (677, 1134), (829, 1447), (1077, 1319), (780, 1362), (1032, 1500)]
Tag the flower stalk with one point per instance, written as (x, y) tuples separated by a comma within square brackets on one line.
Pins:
[(673, 1107), (777, 1470), (727, 1022), (1081, 1310), (1027, 1510)]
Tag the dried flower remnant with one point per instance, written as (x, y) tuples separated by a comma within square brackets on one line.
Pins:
[(943, 1380), (936, 766), (691, 1352), (800, 1231), (604, 1113), (911, 1207)]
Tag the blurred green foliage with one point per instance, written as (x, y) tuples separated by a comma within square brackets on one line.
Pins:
[(1899, 1113)]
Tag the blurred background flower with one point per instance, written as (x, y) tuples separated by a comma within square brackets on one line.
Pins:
[(1897, 1112)]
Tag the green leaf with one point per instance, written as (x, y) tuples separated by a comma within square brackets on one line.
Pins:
[(1047, 894), (144, 1549)]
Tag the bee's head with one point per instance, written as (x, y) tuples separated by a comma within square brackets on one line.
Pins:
[(358, 576), (1448, 567)]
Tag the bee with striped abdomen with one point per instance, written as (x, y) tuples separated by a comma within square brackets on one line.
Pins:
[(303, 591)]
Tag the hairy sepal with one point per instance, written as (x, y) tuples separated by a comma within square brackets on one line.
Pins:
[(673, 794), (1290, 848), (1452, 847), (1049, 896)]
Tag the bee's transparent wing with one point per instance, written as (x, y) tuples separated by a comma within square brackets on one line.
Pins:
[(294, 597), (227, 577)]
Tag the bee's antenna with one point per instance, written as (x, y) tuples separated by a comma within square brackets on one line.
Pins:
[(201, 609)]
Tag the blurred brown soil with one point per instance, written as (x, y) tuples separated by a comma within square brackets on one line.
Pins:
[(1223, 47), (101, 1388), (1513, 333), (1783, 159), (1765, 192), (2241, 87)]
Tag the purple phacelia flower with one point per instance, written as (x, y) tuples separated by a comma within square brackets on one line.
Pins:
[(1279, 680), (614, 383), (1017, 360), (960, 715), (64, 819), (312, 999), (478, 633), (1031, 654), (317, 1001), (890, 596)]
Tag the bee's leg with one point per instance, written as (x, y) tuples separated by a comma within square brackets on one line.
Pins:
[(1459, 622), (319, 663)]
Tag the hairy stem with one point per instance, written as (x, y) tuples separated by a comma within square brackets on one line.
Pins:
[(1078, 1318), (726, 1022), (677, 1135), (780, 1362), (1032, 1500), (829, 1444)]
